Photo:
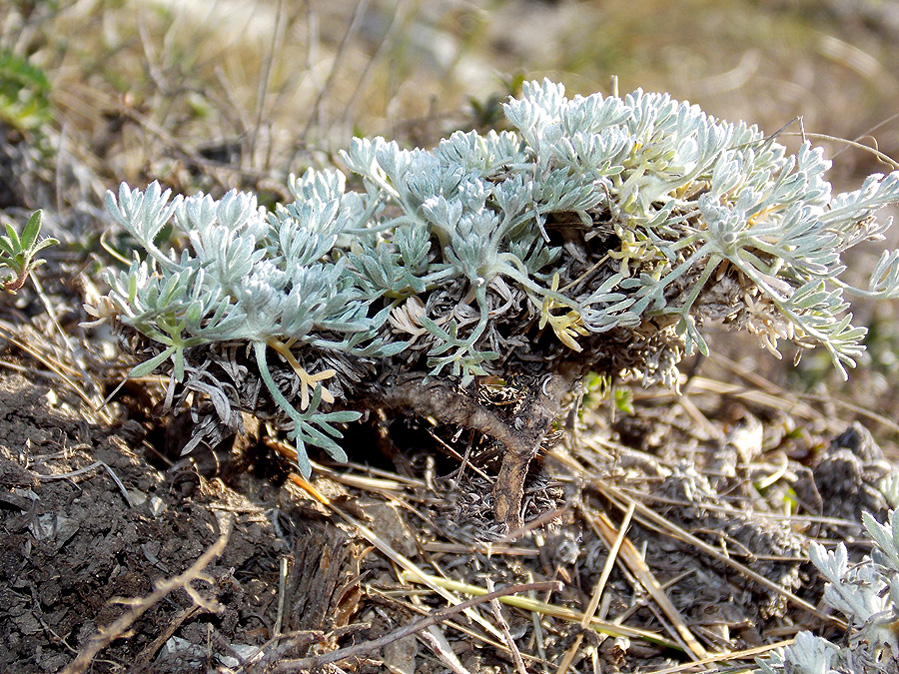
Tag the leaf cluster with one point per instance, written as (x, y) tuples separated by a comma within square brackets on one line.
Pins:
[(868, 595)]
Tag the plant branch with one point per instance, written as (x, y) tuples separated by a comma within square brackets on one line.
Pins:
[(358, 650)]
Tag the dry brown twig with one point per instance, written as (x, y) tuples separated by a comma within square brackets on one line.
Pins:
[(358, 650), (106, 635), (507, 633)]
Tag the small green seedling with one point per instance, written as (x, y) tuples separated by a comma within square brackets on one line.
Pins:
[(19, 254)]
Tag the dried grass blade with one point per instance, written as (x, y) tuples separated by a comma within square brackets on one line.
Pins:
[(653, 519), (536, 606), (417, 607), (565, 665), (747, 654), (409, 567), (632, 559), (607, 569), (56, 367)]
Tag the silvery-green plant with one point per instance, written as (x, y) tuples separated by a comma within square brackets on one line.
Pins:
[(599, 233), (867, 594)]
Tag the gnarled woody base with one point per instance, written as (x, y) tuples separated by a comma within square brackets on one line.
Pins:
[(521, 435)]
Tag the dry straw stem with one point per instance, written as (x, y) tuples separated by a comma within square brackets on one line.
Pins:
[(780, 395), (648, 518), (544, 608), (773, 396), (779, 399), (851, 527), (412, 570), (106, 635), (570, 654), (484, 548), (417, 607), (436, 640), (445, 587), (590, 611), (400, 560), (884, 158), (347, 39), (58, 368), (631, 558), (144, 657), (388, 482), (775, 399), (434, 618), (748, 654)]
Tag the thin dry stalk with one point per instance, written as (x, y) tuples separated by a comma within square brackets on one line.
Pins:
[(634, 561), (397, 17), (282, 593), (590, 611), (775, 390), (144, 657), (487, 548), (402, 561), (886, 159), (851, 528), (648, 517), (565, 665), (536, 606), (106, 635), (262, 88), (358, 650), (504, 626), (364, 482), (705, 429), (748, 654), (347, 39), (418, 607), (441, 648), (538, 635), (56, 367), (391, 476), (780, 401)]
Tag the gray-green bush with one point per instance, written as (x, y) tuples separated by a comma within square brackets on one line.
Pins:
[(600, 233)]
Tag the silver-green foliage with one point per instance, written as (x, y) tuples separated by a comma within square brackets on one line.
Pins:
[(685, 200), (867, 594)]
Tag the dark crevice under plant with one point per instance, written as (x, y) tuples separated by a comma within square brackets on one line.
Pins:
[(599, 235)]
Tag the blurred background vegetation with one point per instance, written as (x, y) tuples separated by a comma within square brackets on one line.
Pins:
[(212, 94)]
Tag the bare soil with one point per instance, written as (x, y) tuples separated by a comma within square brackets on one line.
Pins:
[(92, 515), (73, 544)]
